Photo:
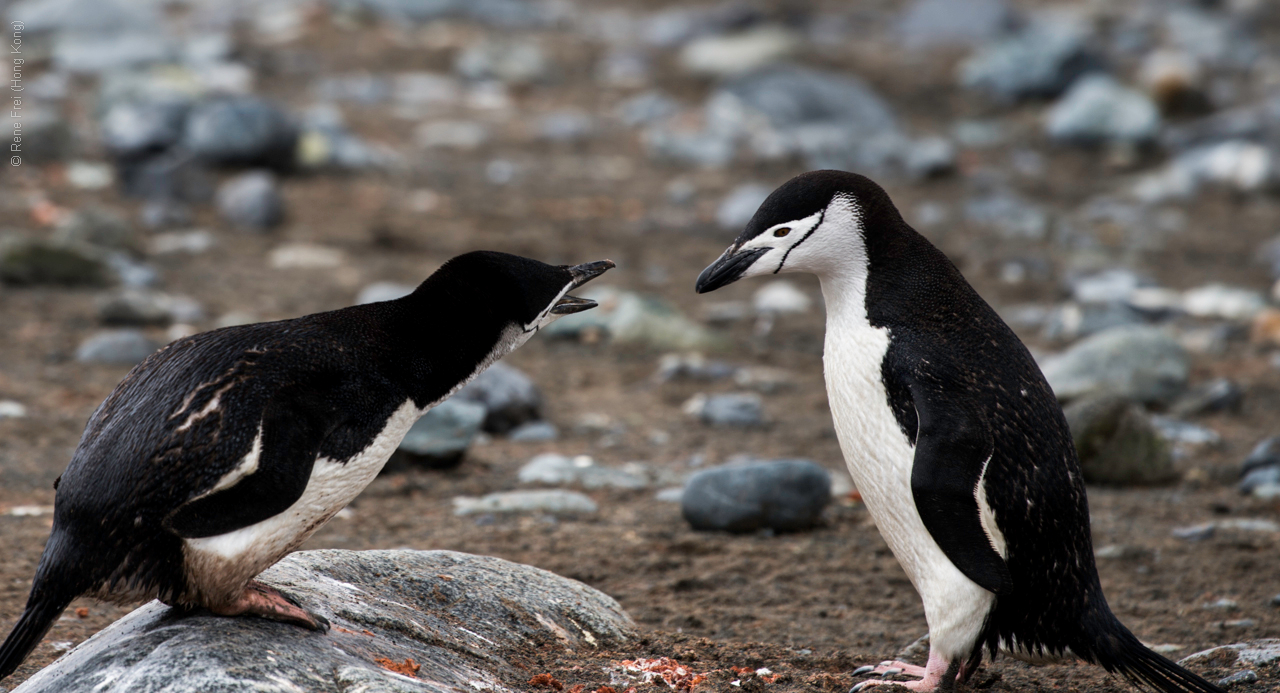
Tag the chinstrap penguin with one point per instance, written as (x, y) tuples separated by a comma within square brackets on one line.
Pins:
[(952, 435), (222, 452)]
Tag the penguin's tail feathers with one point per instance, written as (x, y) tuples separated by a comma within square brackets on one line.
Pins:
[(34, 623), (53, 589), (1118, 651)]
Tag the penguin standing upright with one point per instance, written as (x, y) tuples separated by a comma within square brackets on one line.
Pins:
[(952, 435), (222, 452)]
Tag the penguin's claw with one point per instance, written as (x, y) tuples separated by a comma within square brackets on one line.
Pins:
[(864, 670), (890, 672)]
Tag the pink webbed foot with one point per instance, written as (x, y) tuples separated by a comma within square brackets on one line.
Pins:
[(937, 675), (268, 602)]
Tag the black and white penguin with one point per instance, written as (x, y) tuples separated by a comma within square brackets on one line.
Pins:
[(952, 435), (222, 452)]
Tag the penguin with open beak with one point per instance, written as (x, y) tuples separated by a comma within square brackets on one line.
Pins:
[(224, 451), (952, 435)]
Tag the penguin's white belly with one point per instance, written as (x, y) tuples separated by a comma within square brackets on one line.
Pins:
[(880, 458), (218, 567)]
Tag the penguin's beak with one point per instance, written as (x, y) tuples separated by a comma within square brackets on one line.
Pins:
[(581, 275), (572, 304), (727, 269), (589, 270)]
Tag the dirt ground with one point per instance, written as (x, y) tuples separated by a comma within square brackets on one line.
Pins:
[(811, 606)]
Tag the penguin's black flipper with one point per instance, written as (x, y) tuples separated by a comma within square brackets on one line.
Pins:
[(953, 446), (290, 444)]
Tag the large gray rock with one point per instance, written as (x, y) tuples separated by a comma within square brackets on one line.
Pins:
[(1139, 363), (1099, 109), (116, 347), (508, 395), (441, 437), (29, 262), (241, 131), (251, 201), (930, 23), (782, 495), (1118, 443), (454, 615), (1039, 61)]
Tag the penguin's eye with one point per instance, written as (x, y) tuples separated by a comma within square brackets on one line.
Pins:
[(781, 232)]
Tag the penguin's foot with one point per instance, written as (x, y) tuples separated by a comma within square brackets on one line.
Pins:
[(270, 603), (937, 675)]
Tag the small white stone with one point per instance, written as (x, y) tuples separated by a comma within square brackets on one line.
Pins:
[(89, 175), (10, 409), (781, 297), (305, 256)]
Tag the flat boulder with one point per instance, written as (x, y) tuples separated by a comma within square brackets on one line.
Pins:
[(401, 621)]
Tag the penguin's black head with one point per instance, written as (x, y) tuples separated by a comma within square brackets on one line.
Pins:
[(812, 222), (510, 292)]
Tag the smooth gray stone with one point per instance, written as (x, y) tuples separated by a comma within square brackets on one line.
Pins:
[(929, 157), (29, 262), (1117, 442), (132, 306), (498, 13), (445, 432), (1140, 363), (1219, 394), (455, 615), (1041, 60), (1252, 653), (549, 501), (97, 227), (251, 201), (647, 107), (241, 131), (509, 395), (534, 432), (1098, 109), (123, 347), (553, 470), (792, 96), (741, 409), (931, 23), (782, 495), (133, 128), (740, 205)]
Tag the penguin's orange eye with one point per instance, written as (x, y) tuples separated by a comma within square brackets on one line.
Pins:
[(781, 232)]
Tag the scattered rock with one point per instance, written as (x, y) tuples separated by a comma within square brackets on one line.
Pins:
[(241, 131), (89, 175), (694, 366), (1186, 438), (1238, 678), (452, 134), (726, 55), (144, 127), (569, 125), (509, 397), (780, 297), (383, 291), (1254, 653), (1040, 60), (1098, 109), (1117, 442), (1208, 530), (1071, 320), (1010, 214), (647, 107), (930, 157), (559, 470), (552, 502), (1237, 165), (193, 242), (441, 437), (27, 262), (305, 256), (632, 318), (383, 607), (1139, 363), (116, 347), (143, 307), (534, 432), (781, 495), (1219, 394), (1260, 471), (934, 23), (251, 201), (10, 409), (740, 205), (98, 228), (1113, 285), (1220, 301), (737, 409), (509, 61), (1175, 80)]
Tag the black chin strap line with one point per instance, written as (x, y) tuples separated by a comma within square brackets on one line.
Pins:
[(821, 215)]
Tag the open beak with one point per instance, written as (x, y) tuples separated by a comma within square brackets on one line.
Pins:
[(727, 269), (581, 275)]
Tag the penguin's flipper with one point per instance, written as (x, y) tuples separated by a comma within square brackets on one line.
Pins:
[(290, 441), (953, 446)]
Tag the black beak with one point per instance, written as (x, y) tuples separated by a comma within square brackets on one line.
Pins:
[(572, 304), (727, 270), (581, 275)]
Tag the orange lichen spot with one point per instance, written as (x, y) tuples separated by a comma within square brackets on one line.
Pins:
[(663, 670), (82, 612), (605, 689), (577, 689), (406, 668), (546, 681), (369, 633)]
